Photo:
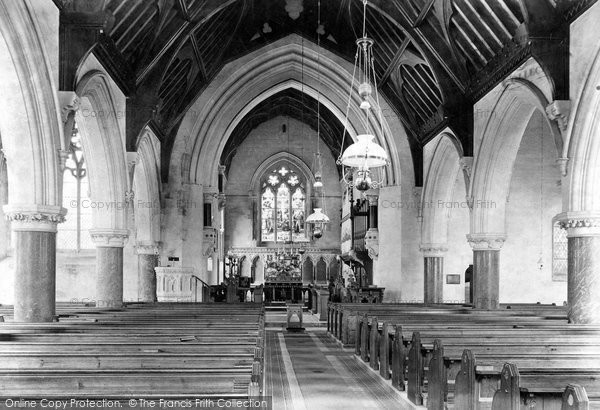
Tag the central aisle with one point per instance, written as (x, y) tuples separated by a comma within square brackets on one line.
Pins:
[(309, 371)]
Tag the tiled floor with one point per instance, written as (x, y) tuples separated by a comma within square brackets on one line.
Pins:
[(309, 371)]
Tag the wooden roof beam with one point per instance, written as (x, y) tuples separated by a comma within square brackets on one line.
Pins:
[(198, 55), (395, 60), (423, 14)]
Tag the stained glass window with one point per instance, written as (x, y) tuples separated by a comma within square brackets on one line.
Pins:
[(283, 206), (559, 253), (268, 215), (298, 209)]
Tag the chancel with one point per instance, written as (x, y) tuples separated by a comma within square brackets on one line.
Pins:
[(339, 204)]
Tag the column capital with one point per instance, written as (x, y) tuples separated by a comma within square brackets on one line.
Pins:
[(372, 198), (40, 218), (433, 249), (112, 238), (148, 248), (581, 223), (486, 241)]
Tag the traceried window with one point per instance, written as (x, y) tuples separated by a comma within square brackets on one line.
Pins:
[(559, 252), (73, 233), (283, 206)]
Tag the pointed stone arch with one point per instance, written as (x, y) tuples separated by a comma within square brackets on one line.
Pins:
[(103, 144), (246, 82), (321, 271), (439, 188), (34, 147), (307, 270), (492, 170)]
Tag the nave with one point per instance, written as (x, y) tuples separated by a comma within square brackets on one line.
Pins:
[(419, 177)]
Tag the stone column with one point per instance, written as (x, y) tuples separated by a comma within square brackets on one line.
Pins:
[(389, 260), (372, 235), (434, 272), (109, 266), (486, 269), (147, 261), (193, 250), (35, 261), (583, 281)]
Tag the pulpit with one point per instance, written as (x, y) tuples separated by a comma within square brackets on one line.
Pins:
[(174, 284)]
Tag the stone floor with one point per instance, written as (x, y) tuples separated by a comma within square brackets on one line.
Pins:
[(309, 370)]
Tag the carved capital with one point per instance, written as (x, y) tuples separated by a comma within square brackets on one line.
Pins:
[(372, 198), (148, 248), (559, 111), (579, 224), (40, 218), (116, 238), (486, 241), (431, 250)]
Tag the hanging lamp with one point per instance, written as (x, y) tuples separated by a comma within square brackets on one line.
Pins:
[(365, 157)]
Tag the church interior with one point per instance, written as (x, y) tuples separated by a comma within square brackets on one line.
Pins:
[(300, 204)]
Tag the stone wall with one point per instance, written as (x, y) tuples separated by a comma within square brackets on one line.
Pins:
[(262, 143)]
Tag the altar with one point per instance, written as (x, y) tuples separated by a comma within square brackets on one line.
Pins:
[(283, 279)]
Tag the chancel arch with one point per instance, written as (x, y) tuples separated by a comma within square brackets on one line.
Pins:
[(266, 74)]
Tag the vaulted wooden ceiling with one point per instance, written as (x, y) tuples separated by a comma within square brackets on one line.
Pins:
[(434, 58)]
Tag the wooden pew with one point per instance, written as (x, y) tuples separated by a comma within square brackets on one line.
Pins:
[(342, 316), (542, 388), (481, 380), (148, 351), (588, 338), (348, 331)]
